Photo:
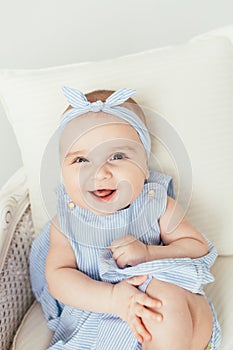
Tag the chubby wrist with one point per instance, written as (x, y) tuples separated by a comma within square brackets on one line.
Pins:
[(114, 302), (155, 252), (150, 252)]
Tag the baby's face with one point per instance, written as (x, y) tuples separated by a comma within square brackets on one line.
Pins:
[(104, 163)]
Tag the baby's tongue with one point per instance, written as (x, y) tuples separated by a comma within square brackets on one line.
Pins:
[(103, 193)]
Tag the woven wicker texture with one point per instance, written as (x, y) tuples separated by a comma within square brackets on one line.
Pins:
[(15, 290)]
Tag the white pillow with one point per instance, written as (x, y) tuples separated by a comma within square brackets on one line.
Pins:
[(190, 85), (226, 31)]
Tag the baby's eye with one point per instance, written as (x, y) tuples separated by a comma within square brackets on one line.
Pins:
[(80, 160), (117, 156)]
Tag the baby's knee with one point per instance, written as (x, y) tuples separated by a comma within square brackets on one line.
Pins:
[(182, 316), (167, 293), (176, 317)]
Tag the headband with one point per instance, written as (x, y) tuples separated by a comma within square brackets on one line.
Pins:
[(81, 105)]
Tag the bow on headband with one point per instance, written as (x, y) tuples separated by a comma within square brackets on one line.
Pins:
[(81, 105), (78, 100)]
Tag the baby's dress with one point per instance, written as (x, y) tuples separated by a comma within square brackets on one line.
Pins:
[(90, 236)]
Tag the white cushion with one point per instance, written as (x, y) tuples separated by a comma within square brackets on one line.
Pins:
[(190, 85), (33, 332)]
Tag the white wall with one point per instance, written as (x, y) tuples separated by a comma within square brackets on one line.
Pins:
[(43, 33)]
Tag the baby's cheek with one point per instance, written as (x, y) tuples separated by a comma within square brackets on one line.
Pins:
[(125, 190)]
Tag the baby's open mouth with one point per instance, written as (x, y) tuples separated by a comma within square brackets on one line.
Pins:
[(103, 194)]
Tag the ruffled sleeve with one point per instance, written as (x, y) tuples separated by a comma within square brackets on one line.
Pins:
[(191, 274)]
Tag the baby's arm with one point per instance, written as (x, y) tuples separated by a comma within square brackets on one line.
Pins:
[(180, 238), (72, 287), (183, 241)]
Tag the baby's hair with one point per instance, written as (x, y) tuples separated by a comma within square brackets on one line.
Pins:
[(102, 95)]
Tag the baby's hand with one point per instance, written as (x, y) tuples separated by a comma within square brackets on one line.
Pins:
[(128, 251), (134, 306)]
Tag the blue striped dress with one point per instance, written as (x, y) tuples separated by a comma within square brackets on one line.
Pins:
[(89, 236)]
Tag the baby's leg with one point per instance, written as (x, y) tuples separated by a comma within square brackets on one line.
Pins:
[(187, 319)]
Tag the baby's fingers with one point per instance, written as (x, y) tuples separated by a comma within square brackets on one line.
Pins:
[(144, 300), (139, 330), (147, 314)]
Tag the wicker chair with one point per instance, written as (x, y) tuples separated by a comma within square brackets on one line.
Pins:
[(16, 297), (22, 325)]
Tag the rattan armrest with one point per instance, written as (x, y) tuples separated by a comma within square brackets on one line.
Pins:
[(16, 235)]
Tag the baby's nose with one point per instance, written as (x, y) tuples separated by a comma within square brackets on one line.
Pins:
[(103, 172)]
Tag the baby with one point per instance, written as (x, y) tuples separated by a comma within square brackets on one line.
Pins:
[(119, 267)]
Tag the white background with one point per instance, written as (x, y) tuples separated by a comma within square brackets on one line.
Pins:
[(44, 33)]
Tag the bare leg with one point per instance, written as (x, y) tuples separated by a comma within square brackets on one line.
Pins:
[(187, 319)]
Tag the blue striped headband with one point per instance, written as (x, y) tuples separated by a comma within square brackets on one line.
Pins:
[(81, 105)]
